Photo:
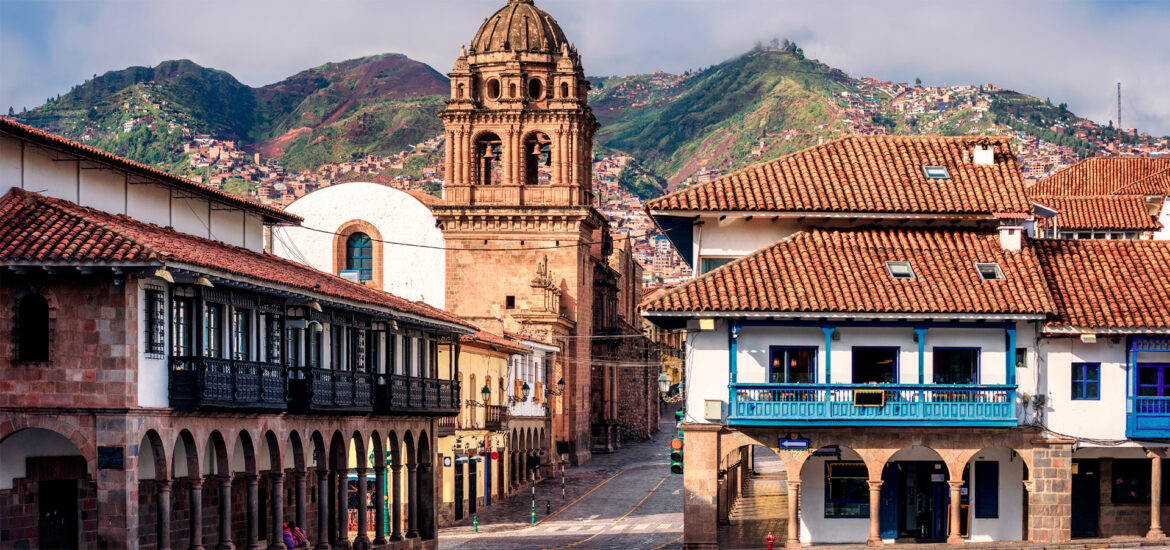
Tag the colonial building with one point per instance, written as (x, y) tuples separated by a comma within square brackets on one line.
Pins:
[(1105, 198), (873, 311), (166, 383), (524, 243)]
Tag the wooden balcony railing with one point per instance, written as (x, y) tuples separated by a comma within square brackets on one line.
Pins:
[(872, 405), (445, 425), (325, 390), (1148, 417), (206, 382), (405, 395), (497, 418)]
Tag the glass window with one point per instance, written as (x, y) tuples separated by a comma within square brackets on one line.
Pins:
[(875, 365), (316, 343), (336, 334), (1086, 380), (936, 172), (212, 330), (956, 365), (900, 270), (989, 272), (711, 264), (293, 347), (156, 318), (32, 328), (241, 334), (273, 352), (986, 489), (359, 255), (1153, 380), (792, 365), (846, 490), (181, 327)]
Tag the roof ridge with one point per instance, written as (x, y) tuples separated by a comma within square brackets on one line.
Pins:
[(68, 208)]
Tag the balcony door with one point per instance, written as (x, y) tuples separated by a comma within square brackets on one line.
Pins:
[(1153, 380), (875, 365), (956, 366), (792, 365)]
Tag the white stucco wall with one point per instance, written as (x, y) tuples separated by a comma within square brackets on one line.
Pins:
[(1164, 218), (410, 272), (17, 448), (736, 237), (1008, 525), (815, 528), (153, 372)]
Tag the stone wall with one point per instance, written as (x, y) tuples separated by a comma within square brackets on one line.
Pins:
[(1050, 494), (1116, 520)]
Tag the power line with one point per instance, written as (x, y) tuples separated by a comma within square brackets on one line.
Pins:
[(627, 236)]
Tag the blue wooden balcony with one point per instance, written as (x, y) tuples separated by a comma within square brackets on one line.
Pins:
[(1148, 418), (872, 405)]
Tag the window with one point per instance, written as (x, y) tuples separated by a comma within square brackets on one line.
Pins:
[(986, 489), (359, 256), (212, 330), (156, 318), (421, 365), (241, 335), (846, 490), (956, 365), (900, 270), (32, 328), (792, 365), (875, 365), (1131, 481), (393, 361), (1021, 358), (315, 343), (293, 346), (272, 344), (989, 272), (1153, 380), (564, 90), (181, 327), (936, 172), (707, 265), (407, 358), (535, 88), (373, 351), (357, 349), (337, 358), (493, 89), (1086, 381), (510, 302)]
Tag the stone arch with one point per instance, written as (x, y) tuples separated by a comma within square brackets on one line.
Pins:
[(216, 455), (408, 445), (394, 448), (357, 451), (564, 90), (186, 454), (338, 452), (1013, 472), (426, 488), (297, 451), (377, 446), (341, 239), (243, 457), (488, 150), (320, 456), (51, 305), (270, 450), (13, 444), (154, 464), (537, 150), (65, 429)]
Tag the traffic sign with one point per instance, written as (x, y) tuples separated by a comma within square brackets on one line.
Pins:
[(495, 455), (793, 444)]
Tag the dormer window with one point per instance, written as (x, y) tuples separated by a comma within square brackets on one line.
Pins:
[(936, 172), (900, 270), (989, 272)]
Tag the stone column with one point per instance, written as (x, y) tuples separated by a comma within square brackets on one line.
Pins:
[(276, 540), (163, 496), (342, 490), (700, 485), (1050, 500), (195, 514), (302, 497), (252, 514), (412, 497), (1155, 497), (225, 513), (322, 510), (379, 505), (396, 503), (793, 514), (875, 507), (954, 536), (362, 540)]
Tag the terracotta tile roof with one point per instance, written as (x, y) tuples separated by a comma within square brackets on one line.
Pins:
[(485, 337), (1108, 176), (878, 174), (39, 230), (1107, 284), (425, 198), (1108, 212), (24, 131), (845, 271)]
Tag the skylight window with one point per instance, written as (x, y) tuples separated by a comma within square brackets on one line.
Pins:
[(936, 172), (900, 270), (989, 272)]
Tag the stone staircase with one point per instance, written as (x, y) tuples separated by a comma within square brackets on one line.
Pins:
[(761, 509)]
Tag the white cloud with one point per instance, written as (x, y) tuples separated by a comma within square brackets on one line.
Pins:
[(1073, 52)]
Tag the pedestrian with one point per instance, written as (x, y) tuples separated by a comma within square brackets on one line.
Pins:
[(299, 534), (290, 540)]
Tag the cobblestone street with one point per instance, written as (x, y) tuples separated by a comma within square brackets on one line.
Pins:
[(627, 500)]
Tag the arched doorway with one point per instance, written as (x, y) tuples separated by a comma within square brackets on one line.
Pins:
[(753, 494), (426, 489), (915, 496), (992, 501), (45, 468), (834, 497)]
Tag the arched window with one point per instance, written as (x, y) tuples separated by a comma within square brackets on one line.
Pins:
[(512, 91), (359, 256), (32, 328), (461, 92), (493, 89), (564, 90), (535, 89)]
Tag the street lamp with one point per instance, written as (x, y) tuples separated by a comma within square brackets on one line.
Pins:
[(487, 394), (663, 383), (524, 391)]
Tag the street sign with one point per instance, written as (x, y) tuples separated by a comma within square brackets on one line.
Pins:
[(495, 455), (793, 444), (446, 461)]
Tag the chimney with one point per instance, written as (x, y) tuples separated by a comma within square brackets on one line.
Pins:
[(984, 155), (1011, 237)]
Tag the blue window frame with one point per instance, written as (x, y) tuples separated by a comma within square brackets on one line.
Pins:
[(792, 365), (359, 255), (986, 489), (1086, 381), (846, 490), (1153, 380), (955, 365), (875, 365)]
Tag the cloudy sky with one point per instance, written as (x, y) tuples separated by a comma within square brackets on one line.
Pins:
[(1069, 51)]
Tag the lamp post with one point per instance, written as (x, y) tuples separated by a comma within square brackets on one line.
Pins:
[(663, 383)]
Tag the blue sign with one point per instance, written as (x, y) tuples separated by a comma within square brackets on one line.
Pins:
[(793, 444)]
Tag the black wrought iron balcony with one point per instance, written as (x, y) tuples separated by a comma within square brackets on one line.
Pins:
[(210, 383), (406, 395), (325, 390)]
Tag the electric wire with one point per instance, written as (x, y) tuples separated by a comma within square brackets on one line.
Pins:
[(627, 236)]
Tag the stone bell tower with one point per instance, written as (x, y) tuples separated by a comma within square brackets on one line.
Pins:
[(523, 239), (518, 123)]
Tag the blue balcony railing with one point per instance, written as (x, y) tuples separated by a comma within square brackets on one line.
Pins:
[(1148, 417), (873, 405)]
